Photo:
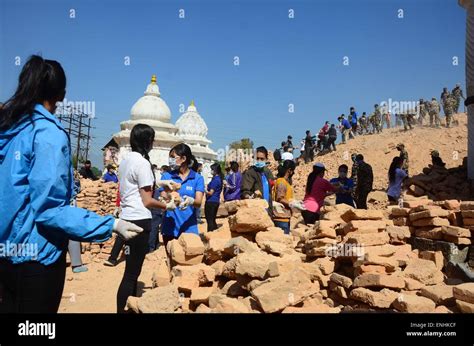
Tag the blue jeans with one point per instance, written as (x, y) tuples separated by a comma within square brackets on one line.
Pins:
[(156, 220), (285, 225)]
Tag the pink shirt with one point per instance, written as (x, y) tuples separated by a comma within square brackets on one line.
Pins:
[(315, 199)]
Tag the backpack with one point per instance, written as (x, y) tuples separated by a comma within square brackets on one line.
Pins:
[(277, 155)]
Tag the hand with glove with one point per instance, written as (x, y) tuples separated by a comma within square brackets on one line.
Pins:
[(116, 212), (168, 185), (297, 204), (186, 202), (126, 230)]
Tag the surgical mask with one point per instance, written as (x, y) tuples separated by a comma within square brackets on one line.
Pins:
[(172, 163), (260, 164)]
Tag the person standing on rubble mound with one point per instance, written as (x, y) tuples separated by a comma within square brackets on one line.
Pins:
[(365, 179), (36, 188), (137, 182), (282, 193), (396, 177), (257, 180), (183, 219), (317, 188)]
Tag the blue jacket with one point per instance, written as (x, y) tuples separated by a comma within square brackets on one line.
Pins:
[(35, 191)]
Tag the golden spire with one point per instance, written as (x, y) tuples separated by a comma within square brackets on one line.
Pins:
[(153, 79), (192, 103)]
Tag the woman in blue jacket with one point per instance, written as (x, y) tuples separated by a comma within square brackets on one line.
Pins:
[(35, 191)]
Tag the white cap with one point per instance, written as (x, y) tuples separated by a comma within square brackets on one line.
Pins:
[(319, 164)]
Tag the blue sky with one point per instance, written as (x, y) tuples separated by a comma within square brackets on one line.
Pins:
[(282, 60)]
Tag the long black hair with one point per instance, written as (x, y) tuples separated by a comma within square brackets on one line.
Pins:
[(184, 150), (396, 163), (216, 168), (312, 177), (40, 80), (141, 141), (284, 167)]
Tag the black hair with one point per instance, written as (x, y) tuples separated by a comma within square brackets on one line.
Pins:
[(184, 150), (234, 166), (332, 125), (283, 144), (360, 157), (216, 168), (286, 148), (263, 150), (109, 166), (40, 80), (166, 168), (87, 162), (312, 177), (284, 167), (141, 139), (343, 167), (396, 163), (308, 131)]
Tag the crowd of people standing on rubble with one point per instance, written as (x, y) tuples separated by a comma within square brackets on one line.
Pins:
[(423, 113)]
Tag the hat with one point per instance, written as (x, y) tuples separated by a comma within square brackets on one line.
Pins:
[(319, 164), (435, 153)]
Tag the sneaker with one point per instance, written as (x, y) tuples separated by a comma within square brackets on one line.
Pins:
[(80, 269), (110, 263)]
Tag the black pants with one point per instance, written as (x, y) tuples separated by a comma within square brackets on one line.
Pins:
[(210, 211), (118, 245), (309, 217), (135, 251), (31, 287), (361, 199), (331, 143)]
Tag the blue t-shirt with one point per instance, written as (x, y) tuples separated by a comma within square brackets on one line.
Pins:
[(395, 187), (354, 118), (216, 185), (110, 177), (266, 188), (344, 197), (182, 221), (346, 124)]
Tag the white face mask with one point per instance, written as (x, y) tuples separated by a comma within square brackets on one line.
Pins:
[(172, 163)]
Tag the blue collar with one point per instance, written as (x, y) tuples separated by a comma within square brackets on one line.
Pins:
[(191, 175)]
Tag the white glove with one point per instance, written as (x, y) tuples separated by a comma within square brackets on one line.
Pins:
[(125, 229), (186, 202), (297, 204), (278, 208), (116, 212), (168, 184), (171, 205)]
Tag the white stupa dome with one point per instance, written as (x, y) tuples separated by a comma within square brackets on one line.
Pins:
[(191, 125), (151, 106)]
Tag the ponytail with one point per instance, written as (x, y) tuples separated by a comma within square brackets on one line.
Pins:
[(40, 80)]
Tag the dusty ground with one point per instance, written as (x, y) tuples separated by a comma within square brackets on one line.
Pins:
[(96, 290)]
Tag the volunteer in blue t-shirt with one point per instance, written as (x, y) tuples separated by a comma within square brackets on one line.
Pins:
[(344, 187), (213, 197), (183, 171)]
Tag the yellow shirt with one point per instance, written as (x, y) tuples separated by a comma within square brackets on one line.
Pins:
[(282, 190)]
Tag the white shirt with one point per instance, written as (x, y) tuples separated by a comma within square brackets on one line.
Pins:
[(134, 173), (287, 156)]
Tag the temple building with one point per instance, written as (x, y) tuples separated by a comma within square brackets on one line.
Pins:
[(190, 128)]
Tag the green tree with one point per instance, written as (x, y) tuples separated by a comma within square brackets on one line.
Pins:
[(244, 143)]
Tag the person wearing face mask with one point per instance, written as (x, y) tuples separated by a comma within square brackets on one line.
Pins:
[(213, 197), (344, 187), (282, 193), (257, 179), (317, 188), (183, 219)]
